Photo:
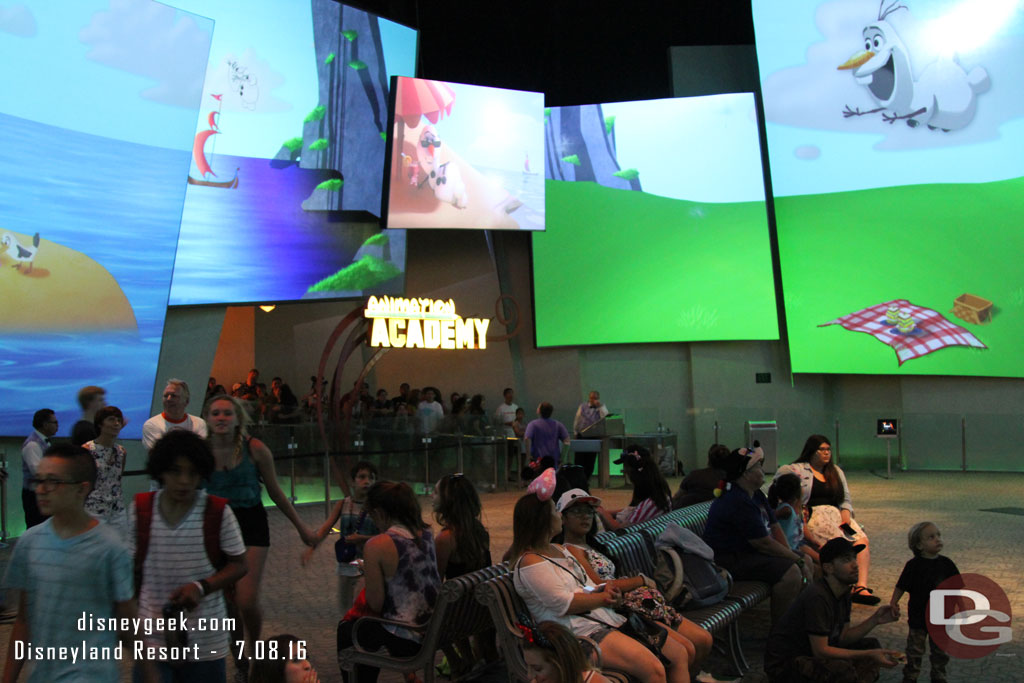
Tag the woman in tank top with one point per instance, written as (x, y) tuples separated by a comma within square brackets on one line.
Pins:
[(241, 464), (401, 576)]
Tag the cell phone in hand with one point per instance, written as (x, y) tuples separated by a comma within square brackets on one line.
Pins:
[(848, 530)]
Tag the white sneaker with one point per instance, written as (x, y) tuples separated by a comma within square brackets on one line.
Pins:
[(705, 677)]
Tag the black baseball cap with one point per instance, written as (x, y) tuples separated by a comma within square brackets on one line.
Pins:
[(838, 547)]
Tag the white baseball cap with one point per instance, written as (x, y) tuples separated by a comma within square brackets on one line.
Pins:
[(574, 496)]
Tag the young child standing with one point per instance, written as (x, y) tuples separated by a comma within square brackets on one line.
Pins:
[(355, 528), (921, 575)]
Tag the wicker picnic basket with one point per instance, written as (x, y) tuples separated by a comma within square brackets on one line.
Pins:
[(973, 309)]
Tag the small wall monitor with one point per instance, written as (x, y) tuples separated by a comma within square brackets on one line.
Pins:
[(889, 427)]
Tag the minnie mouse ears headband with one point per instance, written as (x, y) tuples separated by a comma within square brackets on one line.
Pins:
[(737, 463), (634, 455), (544, 485)]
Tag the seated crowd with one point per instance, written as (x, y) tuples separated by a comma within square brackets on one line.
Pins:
[(196, 547)]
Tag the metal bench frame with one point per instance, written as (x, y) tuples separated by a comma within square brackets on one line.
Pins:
[(631, 553), (457, 615), (504, 604)]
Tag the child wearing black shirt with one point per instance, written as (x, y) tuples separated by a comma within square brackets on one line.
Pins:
[(921, 575)]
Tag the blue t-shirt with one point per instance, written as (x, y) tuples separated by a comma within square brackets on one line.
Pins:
[(62, 578), (546, 435), (793, 527), (736, 518)]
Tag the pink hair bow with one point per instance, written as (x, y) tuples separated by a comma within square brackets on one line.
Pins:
[(544, 485)]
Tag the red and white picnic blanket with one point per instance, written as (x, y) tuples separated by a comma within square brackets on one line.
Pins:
[(933, 331)]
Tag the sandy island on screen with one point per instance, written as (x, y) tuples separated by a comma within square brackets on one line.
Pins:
[(65, 291)]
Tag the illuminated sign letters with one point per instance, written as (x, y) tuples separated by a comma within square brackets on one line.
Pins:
[(422, 324)]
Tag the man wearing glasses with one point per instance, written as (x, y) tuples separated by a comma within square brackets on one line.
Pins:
[(44, 426), (68, 570)]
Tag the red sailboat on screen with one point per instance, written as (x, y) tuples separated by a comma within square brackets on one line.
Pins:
[(199, 153)]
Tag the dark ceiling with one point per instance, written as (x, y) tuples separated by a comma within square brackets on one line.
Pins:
[(575, 52)]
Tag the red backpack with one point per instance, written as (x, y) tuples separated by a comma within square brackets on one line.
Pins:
[(212, 517)]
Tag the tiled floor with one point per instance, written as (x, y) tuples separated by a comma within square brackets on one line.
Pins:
[(302, 600)]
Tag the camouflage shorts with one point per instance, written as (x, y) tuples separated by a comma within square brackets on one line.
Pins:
[(821, 670)]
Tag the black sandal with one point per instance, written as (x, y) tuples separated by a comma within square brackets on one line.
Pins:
[(862, 595)]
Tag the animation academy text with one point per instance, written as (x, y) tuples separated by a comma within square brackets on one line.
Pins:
[(398, 322)]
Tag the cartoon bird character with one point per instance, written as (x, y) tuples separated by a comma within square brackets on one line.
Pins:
[(443, 178), (943, 97), (19, 252)]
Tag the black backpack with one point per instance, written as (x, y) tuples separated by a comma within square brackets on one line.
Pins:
[(686, 579)]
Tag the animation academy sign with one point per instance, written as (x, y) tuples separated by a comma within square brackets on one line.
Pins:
[(422, 324)]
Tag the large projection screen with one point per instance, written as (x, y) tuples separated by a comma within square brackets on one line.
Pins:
[(656, 226), (895, 140), (97, 115), (288, 153)]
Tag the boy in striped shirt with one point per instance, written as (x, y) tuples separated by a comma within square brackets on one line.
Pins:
[(173, 532)]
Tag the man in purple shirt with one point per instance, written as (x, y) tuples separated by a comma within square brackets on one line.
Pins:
[(543, 436)]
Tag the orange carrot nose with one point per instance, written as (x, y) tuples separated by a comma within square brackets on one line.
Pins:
[(856, 60)]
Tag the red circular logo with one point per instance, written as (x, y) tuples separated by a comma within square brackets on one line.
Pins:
[(968, 616)]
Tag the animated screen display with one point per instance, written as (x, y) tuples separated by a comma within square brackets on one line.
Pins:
[(657, 227), (895, 132), (96, 127), (288, 155), (465, 156)]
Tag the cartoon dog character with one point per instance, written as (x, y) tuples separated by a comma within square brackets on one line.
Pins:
[(442, 177)]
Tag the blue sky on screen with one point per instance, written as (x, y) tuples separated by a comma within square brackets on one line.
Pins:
[(70, 53), (65, 53), (814, 149), (702, 149), (274, 41)]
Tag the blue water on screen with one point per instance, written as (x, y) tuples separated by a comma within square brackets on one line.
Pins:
[(119, 203)]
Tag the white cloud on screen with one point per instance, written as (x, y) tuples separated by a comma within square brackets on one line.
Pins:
[(17, 20), (155, 41)]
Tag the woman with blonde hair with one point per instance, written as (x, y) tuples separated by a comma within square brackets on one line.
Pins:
[(241, 463)]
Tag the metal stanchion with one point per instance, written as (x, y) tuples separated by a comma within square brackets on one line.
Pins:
[(835, 444), (494, 452), (327, 484), (963, 443), (426, 463), (292, 446), (716, 431)]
